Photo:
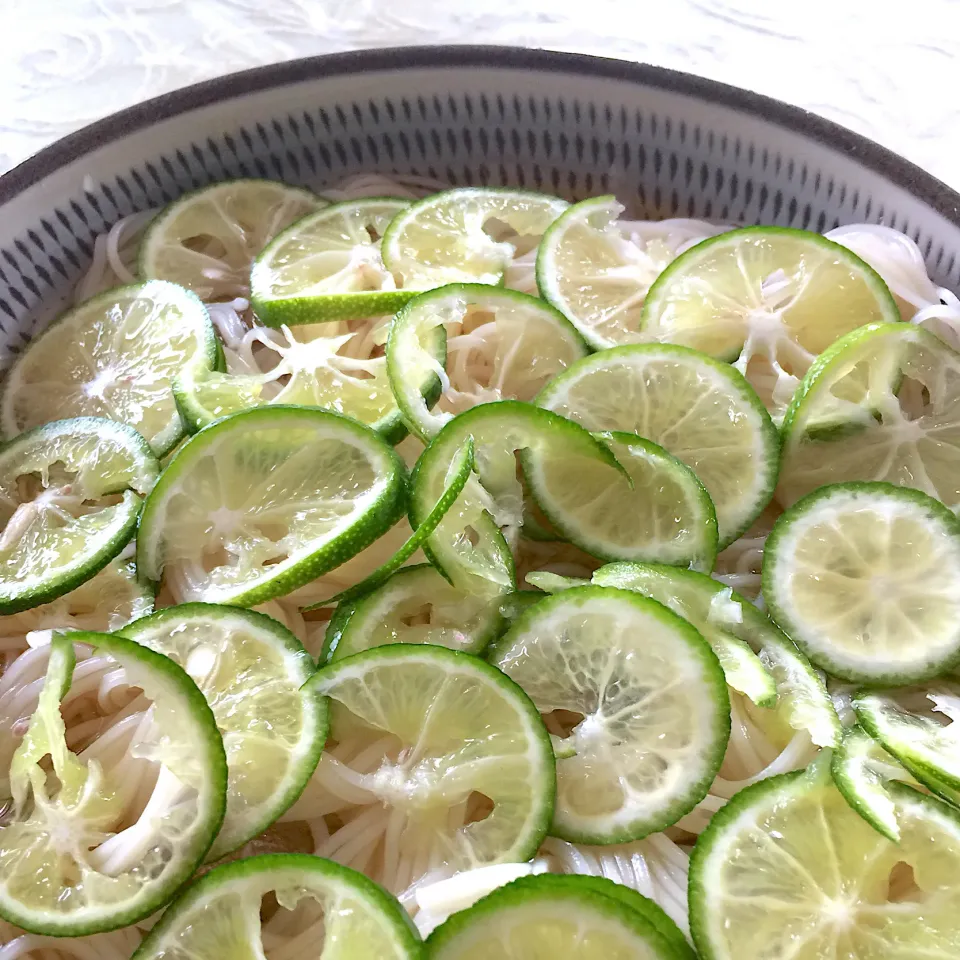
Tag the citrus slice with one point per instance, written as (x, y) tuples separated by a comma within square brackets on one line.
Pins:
[(768, 298), (865, 578), (700, 410), (313, 366), (113, 356), (741, 635), (207, 240), (919, 727), (318, 905), (441, 763), (861, 769), (757, 659), (468, 544), (81, 853), (416, 605), (250, 670), (881, 404), (597, 270), (327, 266), (69, 500), (639, 695), (460, 469), (467, 235), (106, 602), (787, 869), (499, 345), (543, 917), (259, 503), (659, 512)]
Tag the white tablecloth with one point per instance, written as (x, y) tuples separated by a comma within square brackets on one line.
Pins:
[(891, 72)]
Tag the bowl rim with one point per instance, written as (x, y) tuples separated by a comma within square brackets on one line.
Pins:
[(66, 150)]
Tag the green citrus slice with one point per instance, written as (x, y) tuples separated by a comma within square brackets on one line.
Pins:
[(881, 404), (647, 723), (770, 299), (113, 356), (918, 727), (441, 760), (540, 917), (597, 270), (787, 869), (334, 912), (477, 344), (416, 605), (259, 503), (70, 494), (207, 240), (700, 410), (80, 853), (661, 513), (758, 661), (865, 578), (327, 266), (250, 670), (467, 235)]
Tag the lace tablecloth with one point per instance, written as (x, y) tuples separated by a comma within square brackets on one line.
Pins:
[(891, 75)]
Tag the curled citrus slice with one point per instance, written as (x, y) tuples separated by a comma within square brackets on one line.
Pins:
[(126, 811)]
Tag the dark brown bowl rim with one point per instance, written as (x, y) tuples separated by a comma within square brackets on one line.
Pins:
[(896, 169)]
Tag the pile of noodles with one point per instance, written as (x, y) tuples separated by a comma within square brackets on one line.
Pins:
[(339, 815)]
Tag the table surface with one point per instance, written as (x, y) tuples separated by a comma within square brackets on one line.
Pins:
[(892, 76)]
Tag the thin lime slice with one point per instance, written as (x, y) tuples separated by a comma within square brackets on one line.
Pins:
[(757, 659), (207, 240), (640, 696), (865, 577), (861, 769), (787, 869), (468, 235), (250, 670), (312, 366), (699, 410), (728, 621), (460, 469), (327, 266), (544, 917), (661, 513), (492, 345), (259, 503), (416, 605), (69, 500), (114, 356), (919, 727), (597, 270), (468, 544), (441, 760), (80, 851), (106, 602), (769, 298), (882, 404), (331, 911)]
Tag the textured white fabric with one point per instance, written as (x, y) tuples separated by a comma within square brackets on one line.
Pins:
[(888, 71)]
